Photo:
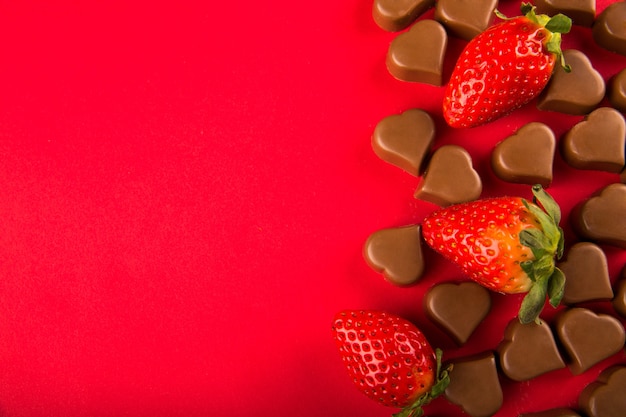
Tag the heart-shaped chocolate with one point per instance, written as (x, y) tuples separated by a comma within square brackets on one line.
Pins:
[(404, 139), (555, 412), (575, 92), (619, 302), (528, 350), (598, 142), (609, 30), (527, 156), (465, 18), (605, 396), (582, 12), (396, 253), (601, 218), (450, 178), (617, 91), (395, 15), (417, 55), (586, 274), (588, 337), (474, 385), (458, 308)]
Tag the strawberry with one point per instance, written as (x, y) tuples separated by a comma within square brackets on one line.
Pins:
[(504, 67), (390, 360), (506, 244)]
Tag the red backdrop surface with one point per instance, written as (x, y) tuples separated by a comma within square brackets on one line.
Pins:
[(185, 190)]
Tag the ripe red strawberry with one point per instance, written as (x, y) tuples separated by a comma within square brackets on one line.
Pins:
[(504, 67), (390, 360), (506, 244)]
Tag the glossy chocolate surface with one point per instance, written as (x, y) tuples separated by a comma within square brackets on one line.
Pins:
[(598, 142), (417, 55), (404, 140), (609, 30), (395, 15), (458, 308), (619, 301), (617, 91), (582, 12), (606, 396), (450, 178), (465, 18), (396, 253), (576, 92), (586, 274), (527, 156)]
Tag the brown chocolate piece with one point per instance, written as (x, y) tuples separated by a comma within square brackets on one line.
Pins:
[(601, 218), (395, 15), (527, 156), (598, 142), (619, 302), (458, 308), (555, 412), (588, 337), (605, 396), (617, 91), (474, 385), (528, 350), (575, 92), (396, 253), (417, 55), (465, 18), (582, 12), (405, 139), (609, 30), (450, 178), (586, 274)]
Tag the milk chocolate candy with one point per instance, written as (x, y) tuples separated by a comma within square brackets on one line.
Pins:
[(527, 156), (588, 337), (586, 274), (605, 396), (458, 308), (417, 54), (601, 217), (619, 302), (395, 15), (404, 139), (555, 412), (576, 92), (617, 91), (465, 18), (450, 178), (474, 385), (528, 350), (582, 12), (609, 30), (396, 253), (598, 142)]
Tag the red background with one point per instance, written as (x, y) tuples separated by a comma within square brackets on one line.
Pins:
[(185, 190)]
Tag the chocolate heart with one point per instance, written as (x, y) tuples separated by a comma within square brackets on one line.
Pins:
[(395, 15), (458, 308), (528, 350), (474, 385), (609, 30), (404, 139), (582, 12), (417, 54), (617, 91), (619, 302), (605, 396), (450, 178), (465, 18), (575, 92), (397, 253), (582, 149), (601, 218), (586, 274), (527, 156), (555, 412), (588, 337)]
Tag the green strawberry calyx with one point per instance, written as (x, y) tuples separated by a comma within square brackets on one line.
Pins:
[(546, 244), (556, 26), (442, 379)]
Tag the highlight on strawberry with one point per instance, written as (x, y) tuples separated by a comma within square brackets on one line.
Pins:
[(390, 360), (504, 67), (506, 244)]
